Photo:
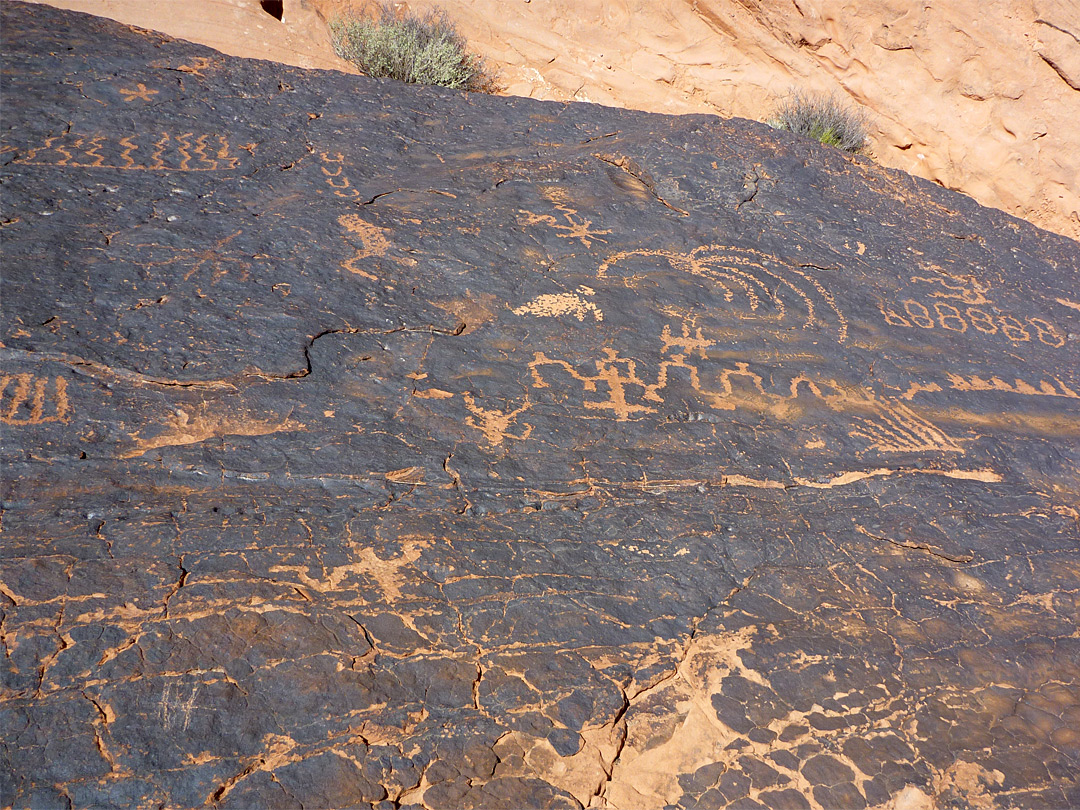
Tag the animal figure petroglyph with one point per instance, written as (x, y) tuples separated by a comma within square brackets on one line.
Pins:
[(494, 423), (573, 227), (372, 239)]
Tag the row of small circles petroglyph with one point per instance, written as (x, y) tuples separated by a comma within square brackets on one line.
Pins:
[(973, 309)]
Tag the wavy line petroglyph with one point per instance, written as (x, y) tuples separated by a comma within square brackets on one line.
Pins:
[(757, 278), (182, 152), (624, 389), (29, 400)]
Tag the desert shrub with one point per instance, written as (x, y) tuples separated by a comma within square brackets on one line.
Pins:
[(415, 49), (823, 118)]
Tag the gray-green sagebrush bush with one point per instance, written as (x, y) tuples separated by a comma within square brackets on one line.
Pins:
[(823, 118), (416, 49)]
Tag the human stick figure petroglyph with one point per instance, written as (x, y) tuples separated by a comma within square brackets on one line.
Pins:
[(29, 400), (628, 389), (757, 278)]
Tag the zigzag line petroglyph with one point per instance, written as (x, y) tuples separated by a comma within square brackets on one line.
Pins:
[(181, 152), (1045, 387)]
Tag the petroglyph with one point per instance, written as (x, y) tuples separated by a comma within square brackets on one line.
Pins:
[(1065, 302), (574, 227), (371, 237), (179, 152), (140, 92), (526, 523), (333, 169), (623, 387), (975, 311), (1044, 388), (554, 305), (184, 426), (967, 289), (896, 428), (175, 710), (215, 258), (26, 399), (388, 575), (495, 424), (755, 280), (616, 373)]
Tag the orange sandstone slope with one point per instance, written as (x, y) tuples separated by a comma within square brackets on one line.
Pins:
[(981, 96)]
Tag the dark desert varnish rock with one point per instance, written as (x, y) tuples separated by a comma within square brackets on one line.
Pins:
[(371, 445)]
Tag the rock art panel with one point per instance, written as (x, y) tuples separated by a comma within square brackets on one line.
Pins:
[(432, 450)]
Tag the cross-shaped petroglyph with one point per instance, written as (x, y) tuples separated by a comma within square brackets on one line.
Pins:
[(141, 92)]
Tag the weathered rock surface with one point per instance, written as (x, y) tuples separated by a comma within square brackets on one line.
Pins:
[(979, 97), (368, 445)]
